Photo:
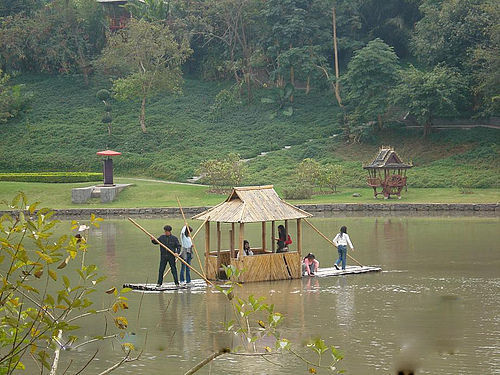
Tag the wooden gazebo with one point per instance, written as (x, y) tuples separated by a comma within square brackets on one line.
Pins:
[(387, 171), (117, 14), (253, 204)]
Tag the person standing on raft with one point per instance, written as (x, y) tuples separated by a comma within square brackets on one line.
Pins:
[(341, 240), (186, 253), (170, 241)]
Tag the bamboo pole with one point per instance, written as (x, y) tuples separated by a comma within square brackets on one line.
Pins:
[(273, 242), (232, 241), (218, 249), (241, 239), (299, 236), (264, 236), (207, 244), (330, 241), (199, 228), (189, 232), (171, 252)]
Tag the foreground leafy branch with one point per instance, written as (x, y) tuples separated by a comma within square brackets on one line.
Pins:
[(40, 301)]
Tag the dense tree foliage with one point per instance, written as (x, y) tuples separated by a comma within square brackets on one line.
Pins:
[(430, 93), (147, 59), (274, 44), (371, 71)]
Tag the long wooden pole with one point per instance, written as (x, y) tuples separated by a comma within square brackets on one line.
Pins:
[(171, 252), (189, 232), (199, 228), (330, 241)]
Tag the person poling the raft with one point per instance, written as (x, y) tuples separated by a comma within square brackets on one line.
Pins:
[(170, 241), (342, 240), (310, 265)]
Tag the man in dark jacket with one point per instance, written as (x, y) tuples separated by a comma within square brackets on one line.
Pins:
[(170, 241)]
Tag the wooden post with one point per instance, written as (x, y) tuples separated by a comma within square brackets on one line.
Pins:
[(263, 236), (231, 244), (207, 244), (242, 237), (218, 237), (232, 241), (286, 230), (218, 249), (273, 242), (299, 236)]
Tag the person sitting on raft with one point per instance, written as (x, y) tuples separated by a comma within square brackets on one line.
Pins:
[(283, 239), (310, 265), (341, 240), (246, 249)]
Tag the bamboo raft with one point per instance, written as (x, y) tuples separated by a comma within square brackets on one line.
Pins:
[(199, 284), (196, 284), (247, 205)]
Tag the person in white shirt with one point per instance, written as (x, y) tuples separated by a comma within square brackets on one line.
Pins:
[(186, 253), (341, 240)]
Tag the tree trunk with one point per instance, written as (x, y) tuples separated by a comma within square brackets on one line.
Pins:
[(308, 85), (142, 118), (292, 81), (427, 128), (336, 55), (379, 122)]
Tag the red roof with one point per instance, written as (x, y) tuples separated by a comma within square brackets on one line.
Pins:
[(108, 153)]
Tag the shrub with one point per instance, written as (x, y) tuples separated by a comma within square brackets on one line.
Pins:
[(308, 172), (298, 192), (331, 176), (12, 99), (103, 94), (62, 177), (223, 173)]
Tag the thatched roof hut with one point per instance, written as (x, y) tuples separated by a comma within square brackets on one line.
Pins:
[(253, 204)]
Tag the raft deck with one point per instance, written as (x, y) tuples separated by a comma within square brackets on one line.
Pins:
[(349, 270), (198, 284)]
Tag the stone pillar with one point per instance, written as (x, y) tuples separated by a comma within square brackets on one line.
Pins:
[(108, 171)]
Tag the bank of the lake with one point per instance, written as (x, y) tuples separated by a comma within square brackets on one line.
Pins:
[(148, 193)]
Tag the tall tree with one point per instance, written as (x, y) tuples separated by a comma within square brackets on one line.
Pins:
[(370, 74), (485, 64), (449, 31), (147, 59), (426, 94)]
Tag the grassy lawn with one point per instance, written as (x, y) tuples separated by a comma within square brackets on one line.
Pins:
[(158, 194)]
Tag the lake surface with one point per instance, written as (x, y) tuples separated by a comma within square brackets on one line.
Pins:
[(435, 307)]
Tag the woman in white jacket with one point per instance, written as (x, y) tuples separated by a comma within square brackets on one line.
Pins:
[(341, 240)]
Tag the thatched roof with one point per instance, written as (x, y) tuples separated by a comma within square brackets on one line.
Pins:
[(252, 204), (387, 158)]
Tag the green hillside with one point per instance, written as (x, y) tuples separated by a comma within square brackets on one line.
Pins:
[(63, 131)]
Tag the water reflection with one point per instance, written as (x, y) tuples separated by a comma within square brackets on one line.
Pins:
[(439, 285)]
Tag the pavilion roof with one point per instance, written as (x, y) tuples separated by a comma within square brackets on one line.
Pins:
[(108, 153), (387, 158), (252, 204)]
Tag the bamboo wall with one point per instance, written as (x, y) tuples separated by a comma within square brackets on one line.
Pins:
[(269, 267)]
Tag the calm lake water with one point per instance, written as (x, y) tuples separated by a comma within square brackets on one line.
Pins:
[(434, 307)]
